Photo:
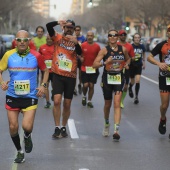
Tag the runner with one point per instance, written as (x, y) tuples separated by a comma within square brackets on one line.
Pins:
[(47, 52), (80, 39), (64, 67), (136, 67), (163, 49), (129, 47), (22, 92), (115, 58), (89, 75), (40, 39)]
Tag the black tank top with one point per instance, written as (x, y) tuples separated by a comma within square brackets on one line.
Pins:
[(118, 62)]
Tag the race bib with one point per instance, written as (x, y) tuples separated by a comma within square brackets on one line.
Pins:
[(114, 79), (167, 80), (48, 63), (90, 70), (65, 64), (22, 87)]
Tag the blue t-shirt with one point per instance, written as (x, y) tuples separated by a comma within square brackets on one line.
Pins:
[(81, 39), (138, 50)]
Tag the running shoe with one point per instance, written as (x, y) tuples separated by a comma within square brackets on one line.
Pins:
[(57, 133), (106, 130), (48, 105), (84, 101), (131, 92), (136, 101), (64, 132), (90, 105), (162, 126), (116, 136), (28, 144), (19, 158), (75, 92), (79, 88), (121, 105)]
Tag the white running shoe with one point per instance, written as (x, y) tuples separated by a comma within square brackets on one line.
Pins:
[(106, 130)]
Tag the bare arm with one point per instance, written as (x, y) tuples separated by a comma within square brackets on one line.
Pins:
[(143, 60), (3, 84), (152, 60), (127, 58), (97, 62), (41, 89)]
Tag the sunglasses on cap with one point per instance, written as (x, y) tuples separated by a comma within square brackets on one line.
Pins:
[(124, 34), (113, 35), (22, 39)]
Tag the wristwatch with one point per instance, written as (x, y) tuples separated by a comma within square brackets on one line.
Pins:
[(44, 84)]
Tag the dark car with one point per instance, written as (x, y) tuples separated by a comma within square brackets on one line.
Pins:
[(2, 48), (7, 40)]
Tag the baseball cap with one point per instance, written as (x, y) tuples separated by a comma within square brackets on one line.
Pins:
[(122, 32), (72, 22)]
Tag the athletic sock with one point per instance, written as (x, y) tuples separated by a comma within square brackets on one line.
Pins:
[(130, 85), (16, 141), (137, 87), (116, 127), (123, 96), (107, 121), (27, 134)]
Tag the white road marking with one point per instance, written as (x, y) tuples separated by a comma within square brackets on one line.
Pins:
[(153, 81), (83, 169), (72, 129)]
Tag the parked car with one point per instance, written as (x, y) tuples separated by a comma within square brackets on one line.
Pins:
[(154, 42), (2, 48), (7, 40), (149, 42), (144, 41)]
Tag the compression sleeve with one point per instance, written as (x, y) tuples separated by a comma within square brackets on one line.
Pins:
[(50, 28), (78, 49)]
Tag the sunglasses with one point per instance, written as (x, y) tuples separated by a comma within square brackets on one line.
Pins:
[(22, 39), (69, 27), (113, 35), (123, 34)]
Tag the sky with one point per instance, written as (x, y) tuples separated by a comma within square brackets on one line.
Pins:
[(62, 6)]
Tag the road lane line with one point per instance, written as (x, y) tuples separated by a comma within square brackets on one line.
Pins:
[(72, 129), (153, 81), (84, 169), (15, 165)]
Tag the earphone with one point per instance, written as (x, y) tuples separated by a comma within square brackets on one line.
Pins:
[(136, 34)]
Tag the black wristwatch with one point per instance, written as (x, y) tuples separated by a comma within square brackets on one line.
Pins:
[(44, 85)]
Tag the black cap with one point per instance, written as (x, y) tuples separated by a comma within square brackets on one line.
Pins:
[(71, 21)]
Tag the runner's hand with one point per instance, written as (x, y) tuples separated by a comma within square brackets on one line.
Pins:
[(41, 91), (4, 85)]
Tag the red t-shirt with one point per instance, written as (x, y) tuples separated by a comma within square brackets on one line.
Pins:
[(129, 49), (89, 52), (47, 52)]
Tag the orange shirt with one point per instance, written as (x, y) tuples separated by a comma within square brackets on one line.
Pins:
[(65, 59)]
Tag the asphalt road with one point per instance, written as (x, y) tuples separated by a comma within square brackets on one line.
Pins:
[(141, 147)]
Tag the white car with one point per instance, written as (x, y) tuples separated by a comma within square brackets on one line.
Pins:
[(154, 42)]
